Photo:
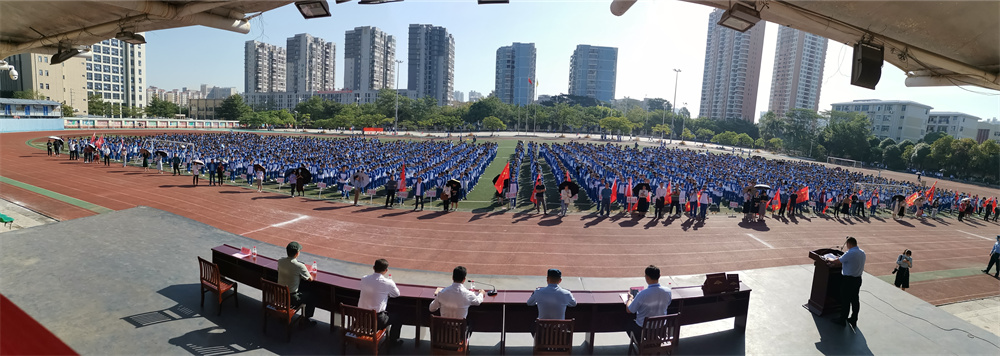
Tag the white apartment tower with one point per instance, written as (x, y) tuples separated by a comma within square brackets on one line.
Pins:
[(798, 71), (732, 71), (264, 68), (117, 73), (369, 56), (431, 63), (310, 64)]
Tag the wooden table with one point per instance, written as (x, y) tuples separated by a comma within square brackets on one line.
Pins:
[(508, 311)]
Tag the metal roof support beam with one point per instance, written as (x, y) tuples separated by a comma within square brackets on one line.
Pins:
[(784, 13), (158, 9), (108, 28)]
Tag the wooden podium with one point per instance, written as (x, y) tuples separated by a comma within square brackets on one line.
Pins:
[(824, 297)]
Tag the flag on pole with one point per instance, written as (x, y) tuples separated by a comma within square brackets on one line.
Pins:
[(402, 179), (504, 175), (912, 198), (533, 191), (777, 197), (868, 205), (628, 193), (930, 192), (667, 199), (827, 205), (699, 198), (530, 82), (100, 141), (93, 138), (614, 190), (567, 177), (802, 196)]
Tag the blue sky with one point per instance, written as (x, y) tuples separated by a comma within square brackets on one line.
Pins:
[(653, 38)]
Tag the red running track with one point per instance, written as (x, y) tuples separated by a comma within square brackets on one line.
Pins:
[(499, 243)]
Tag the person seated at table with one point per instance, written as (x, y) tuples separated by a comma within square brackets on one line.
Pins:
[(650, 302), (454, 301), (376, 290), (552, 300), (290, 273)]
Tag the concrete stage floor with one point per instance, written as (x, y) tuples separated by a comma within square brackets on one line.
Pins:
[(126, 282)]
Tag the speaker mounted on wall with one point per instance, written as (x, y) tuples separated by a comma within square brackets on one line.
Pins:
[(867, 68)]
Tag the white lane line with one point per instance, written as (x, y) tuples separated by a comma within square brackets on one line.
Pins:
[(761, 241), (301, 217), (969, 233)]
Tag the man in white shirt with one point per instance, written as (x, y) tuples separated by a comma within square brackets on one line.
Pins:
[(650, 302), (659, 203), (376, 290), (454, 300)]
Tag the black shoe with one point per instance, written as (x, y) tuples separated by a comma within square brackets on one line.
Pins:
[(985, 271)]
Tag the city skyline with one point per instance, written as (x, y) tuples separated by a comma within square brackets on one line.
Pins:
[(645, 70)]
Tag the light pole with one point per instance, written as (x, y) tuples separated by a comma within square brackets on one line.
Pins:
[(395, 126), (677, 74)]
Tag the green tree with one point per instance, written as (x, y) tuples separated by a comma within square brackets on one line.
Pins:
[(96, 104), (687, 135), (493, 123), (704, 134), (665, 129), (775, 144), (920, 158), (161, 108), (744, 140), (932, 136), (29, 94), (490, 106), (759, 143), (233, 108), (886, 143), (67, 111), (986, 161), (770, 126), (892, 156), (847, 137), (617, 124)]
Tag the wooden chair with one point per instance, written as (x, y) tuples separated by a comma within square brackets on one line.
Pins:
[(553, 337), (449, 336), (360, 327), (277, 303), (211, 281), (659, 336)]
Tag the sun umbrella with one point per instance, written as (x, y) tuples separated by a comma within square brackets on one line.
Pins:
[(144, 151), (289, 172), (161, 153), (360, 180), (306, 175), (258, 167), (762, 186), (198, 161), (57, 138), (637, 187), (899, 197), (573, 187), (454, 184), (966, 199)]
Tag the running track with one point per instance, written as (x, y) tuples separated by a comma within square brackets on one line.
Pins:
[(499, 243)]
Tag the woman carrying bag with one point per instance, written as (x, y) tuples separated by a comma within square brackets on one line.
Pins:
[(903, 264)]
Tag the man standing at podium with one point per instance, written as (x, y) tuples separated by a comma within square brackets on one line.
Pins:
[(853, 265)]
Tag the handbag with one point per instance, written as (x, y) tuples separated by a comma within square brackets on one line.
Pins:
[(894, 270)]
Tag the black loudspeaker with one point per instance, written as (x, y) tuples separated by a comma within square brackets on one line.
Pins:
[(867, 69)]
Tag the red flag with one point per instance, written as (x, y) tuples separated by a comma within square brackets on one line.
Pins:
[(777, 197), (93, 138), (827, 205), (628, 193), (667, 199), (802, 196), (930, 192), (567, 177), (687, 206), (504, 175), (402, 179), (614, 190), (699, 198), (530, 82), (868, 205), (912, 198), (533, 191), (100, 142)]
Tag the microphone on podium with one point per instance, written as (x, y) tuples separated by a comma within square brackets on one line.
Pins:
[(491, 293)]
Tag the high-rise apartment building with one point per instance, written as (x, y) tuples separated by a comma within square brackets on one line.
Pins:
[(459, 96), (431, 63), (798, 71), (264, 66), (515, 74), (475, 96), (310, 63), (369, 56), (593, 71), (732, 71), (117, 73), (65, 82)]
